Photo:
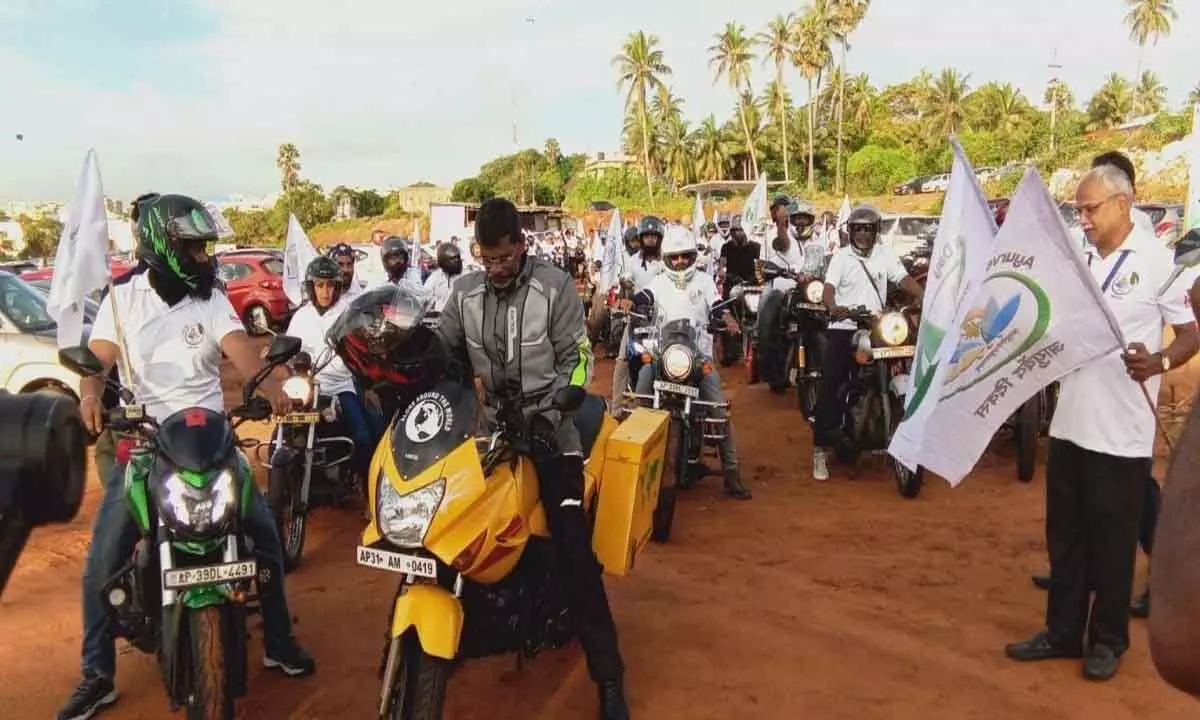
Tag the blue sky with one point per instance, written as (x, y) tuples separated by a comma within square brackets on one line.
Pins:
[(194, 95)]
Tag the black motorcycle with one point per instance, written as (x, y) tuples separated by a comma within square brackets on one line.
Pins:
[(309, 458), (182, 594), (880, 377), (803, 320), (745, 338)]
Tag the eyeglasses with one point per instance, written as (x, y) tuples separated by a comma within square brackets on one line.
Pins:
[(1091, 208), (505, 259)]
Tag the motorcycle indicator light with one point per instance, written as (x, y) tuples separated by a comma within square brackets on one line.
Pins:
[(862, 357)]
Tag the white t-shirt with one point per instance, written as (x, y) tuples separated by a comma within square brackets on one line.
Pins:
[(692, 302), (310, 327), (1099, 407), (643, 275), (174, 352), (853, 286), (437, 288)]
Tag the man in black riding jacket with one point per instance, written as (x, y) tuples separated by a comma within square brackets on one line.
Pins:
[(519, 322)]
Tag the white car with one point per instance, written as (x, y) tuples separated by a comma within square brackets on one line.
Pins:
[(937, 183), (29, 343), (904, 233)]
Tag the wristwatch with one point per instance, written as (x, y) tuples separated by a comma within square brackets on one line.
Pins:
[(1166, 361)]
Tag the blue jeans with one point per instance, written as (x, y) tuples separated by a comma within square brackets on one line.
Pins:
[(354, 417), (113, 536)]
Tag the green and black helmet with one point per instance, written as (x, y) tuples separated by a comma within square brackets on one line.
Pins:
[(168, 229)]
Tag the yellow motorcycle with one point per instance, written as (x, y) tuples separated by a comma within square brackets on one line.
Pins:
[(459, 520)]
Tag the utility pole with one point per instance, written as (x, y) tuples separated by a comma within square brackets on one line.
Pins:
[(1054, 83), (529, 21)]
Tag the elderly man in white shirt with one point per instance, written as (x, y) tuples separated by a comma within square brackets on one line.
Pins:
[(1102, 435)]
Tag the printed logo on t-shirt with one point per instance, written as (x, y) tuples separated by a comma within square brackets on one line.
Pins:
[(1125, 284), (193, 335)]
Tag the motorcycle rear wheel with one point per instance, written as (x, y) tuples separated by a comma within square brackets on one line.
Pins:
[(418, 690), (210, 698), (292, 523)]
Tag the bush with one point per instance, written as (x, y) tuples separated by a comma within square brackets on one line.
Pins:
[(875, 169)]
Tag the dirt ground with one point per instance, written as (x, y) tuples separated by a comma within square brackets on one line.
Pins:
[(832, 600)]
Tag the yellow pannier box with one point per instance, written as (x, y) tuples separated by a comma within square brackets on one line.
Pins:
[(633, 465)]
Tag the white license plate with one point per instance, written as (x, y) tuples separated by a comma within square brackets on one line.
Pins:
[(811, 306), (397, 562), (895, 352), (209, 574), (676, 388)]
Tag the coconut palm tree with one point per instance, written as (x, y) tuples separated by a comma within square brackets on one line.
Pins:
[(1150, 96), (999, 107), (812, 55), (666, 105), (288, 162), (777, 44), (641, 68), (1149, 20), (947, 107), (1112, 103), (860, 99), (844, 18), (711, 150), (730, 57), (678, 163)]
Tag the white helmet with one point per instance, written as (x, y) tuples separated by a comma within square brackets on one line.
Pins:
[(679, 241)]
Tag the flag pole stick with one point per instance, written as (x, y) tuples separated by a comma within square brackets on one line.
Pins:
[(118, 326)]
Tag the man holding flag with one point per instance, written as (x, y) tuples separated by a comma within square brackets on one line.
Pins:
[(1102, 435)]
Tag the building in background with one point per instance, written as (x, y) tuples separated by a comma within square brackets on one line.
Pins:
[(600, 163), (418, 197)]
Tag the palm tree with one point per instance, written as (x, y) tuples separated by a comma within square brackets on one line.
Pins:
[(844, 18), (1149, 20), (666, 105), (288, 162), (860, 99), (812, 55), (676, 151), (1149, 96), (710, 147), (947, 110), (641, 68), (1060, 99), (1001, 106), (731, 57), (1112, 103), (777, 43)]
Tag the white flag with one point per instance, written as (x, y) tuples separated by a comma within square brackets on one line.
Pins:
[(81, 262), (754, 212), (1034, 315), (843, 215), (413, 272), (615, 245), (298, 252), (698, 218), (964, 243), (1192, 216)]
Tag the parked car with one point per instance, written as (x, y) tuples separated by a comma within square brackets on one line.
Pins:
[(1167, 219), (911, 186), (903, 234), (29, 343), (117, 266), (936, 183), (253, 281), (19, 267), (90, 306)]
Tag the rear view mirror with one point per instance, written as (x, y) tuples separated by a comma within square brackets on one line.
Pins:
[(81, 361), (282, 349), (1187, 250), (570, 398)]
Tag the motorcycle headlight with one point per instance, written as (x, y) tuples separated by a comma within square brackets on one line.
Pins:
[(814, 292), (893, 328), (199, 510), (298, 388), (404, 519), (677, 362), (751, 300)]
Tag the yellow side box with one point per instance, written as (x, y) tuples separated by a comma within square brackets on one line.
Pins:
[(634, 459)]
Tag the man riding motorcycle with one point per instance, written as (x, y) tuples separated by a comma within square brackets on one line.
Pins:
[(640, 269), (174, 326), (440, 281), (326, 303), (789, 251), (858, 275), (394, 254), (544, 350), (681, 292), (346, 257), (736, 265)]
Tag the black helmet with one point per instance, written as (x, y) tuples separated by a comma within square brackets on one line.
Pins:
[(652, 225), (323, 268), (781, 200), (631, 236), (393, 244), (166, 228), (449, 258), (863, 215)]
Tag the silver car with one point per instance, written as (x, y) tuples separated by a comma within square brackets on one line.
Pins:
[(28, 342)]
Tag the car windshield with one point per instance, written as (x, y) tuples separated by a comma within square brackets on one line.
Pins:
[(1156, 212), (24, 306)]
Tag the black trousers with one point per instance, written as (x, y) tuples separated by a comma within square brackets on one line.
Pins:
[(1150, 507), (836, 358), (560, 481), (771, 365), (1093, 509)]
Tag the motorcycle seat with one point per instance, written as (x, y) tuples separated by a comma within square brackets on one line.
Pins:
[(589, 419)]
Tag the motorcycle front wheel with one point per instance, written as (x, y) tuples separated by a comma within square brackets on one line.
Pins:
[(418, 689), (210, 698), (283, 495), (673, 478)]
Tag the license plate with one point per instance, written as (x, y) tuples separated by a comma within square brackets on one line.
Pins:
[(209, 574), (810, 306), (895, 352), (676, 388), (300, 418), (397, 562)]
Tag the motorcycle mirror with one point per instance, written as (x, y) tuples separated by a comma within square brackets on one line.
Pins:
[(282, 349), (1187, 251), (570, 398), (80, 360)]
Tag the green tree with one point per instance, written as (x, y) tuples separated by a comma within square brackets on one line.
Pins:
[(369, 203), (41, 236), (287, 159), (1112, 103), (712, 150), (1149, 20), (553, 151), (777, 46), (256, 227), (947, 103), (307, 202), (844, 18), (1194, 96), (874, 170), (812, 55), (730, 58), (1150, 96), (641, 69)]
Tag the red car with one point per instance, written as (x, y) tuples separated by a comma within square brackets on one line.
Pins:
[(116, 266), (254, 282)]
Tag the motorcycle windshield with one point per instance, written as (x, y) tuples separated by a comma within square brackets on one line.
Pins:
[(434, 424), (196, 439), (678, 330), (381, 337)]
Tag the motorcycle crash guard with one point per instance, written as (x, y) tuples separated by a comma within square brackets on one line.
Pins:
[(435, 614)]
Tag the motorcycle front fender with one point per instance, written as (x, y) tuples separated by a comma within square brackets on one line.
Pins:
[(436, 616)]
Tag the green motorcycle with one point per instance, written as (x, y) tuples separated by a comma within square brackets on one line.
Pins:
[(182, 594)]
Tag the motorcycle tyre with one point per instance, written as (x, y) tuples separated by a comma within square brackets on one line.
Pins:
[(210, 698), (285, 503), (421, 680)]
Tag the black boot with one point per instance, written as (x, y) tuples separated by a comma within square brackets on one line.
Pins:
[(612, 701), (734, 487)]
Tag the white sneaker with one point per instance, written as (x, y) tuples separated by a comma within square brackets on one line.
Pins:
[(820, 468)]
